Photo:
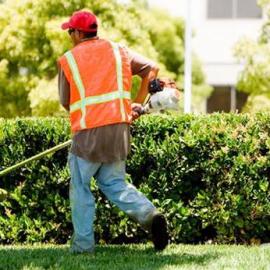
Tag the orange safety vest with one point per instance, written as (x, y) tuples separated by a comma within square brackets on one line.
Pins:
[(100, 78)]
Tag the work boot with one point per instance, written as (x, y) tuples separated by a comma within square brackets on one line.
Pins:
[(159, 232)]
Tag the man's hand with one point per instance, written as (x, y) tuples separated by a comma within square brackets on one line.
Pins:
[(137, 110)]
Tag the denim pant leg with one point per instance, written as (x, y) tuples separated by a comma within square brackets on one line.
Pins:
[(111, 181), (82, 203)]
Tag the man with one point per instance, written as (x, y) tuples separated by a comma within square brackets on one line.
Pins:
[(94, 86)]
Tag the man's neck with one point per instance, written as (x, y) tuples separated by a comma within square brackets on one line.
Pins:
[(91, 38)]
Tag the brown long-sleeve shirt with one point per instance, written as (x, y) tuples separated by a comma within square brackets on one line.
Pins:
[(109, 143)]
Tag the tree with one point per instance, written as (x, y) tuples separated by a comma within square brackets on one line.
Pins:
[(32, 41), (254, 79)]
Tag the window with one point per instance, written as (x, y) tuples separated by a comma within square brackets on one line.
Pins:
[(248, 9), (224, 99), (220, 8), (233, 9)]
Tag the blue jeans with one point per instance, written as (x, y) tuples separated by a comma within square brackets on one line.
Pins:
[(111, 181)]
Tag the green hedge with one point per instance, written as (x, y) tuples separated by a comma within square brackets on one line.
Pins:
[(210, 175)]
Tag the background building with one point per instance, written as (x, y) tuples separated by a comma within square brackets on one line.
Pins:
[(218, 25)]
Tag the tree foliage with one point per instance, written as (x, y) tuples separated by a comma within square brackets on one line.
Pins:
[(31, 42), (254, 79)]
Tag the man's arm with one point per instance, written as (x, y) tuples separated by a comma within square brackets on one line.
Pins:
[(63, 89), (143, 91), (144, 68)]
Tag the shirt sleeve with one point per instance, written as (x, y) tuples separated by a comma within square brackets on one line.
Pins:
[(63, 89), (140, 65)]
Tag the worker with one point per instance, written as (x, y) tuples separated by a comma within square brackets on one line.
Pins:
[(94, 86)]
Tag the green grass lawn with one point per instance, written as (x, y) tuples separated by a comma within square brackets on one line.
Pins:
[(136, 257)]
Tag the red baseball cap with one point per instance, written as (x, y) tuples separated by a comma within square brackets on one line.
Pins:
[(82, 20)]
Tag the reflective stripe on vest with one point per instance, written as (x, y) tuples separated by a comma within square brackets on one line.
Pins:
[(84, 101), (119, 73), (78, 81), (99, 99)]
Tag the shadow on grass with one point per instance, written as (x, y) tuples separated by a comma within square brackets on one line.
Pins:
[(105, 257)]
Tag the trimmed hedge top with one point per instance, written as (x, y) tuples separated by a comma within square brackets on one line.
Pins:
[(210, 174)]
